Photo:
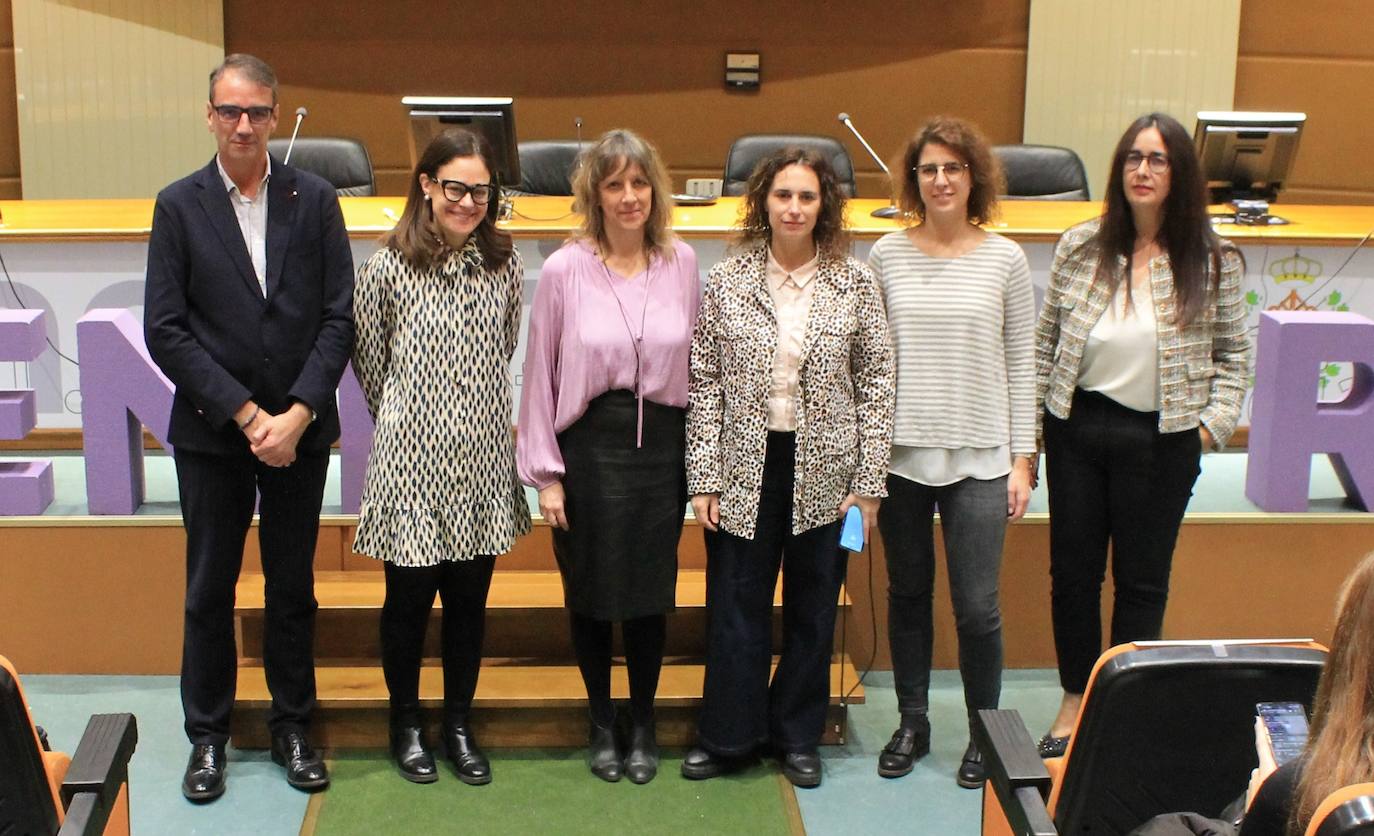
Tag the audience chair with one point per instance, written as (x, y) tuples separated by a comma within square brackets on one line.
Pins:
[(1349, 811), (1042, 172), (546, 167), (746, 152), (345, 163), (43, 792), (1164, 727)]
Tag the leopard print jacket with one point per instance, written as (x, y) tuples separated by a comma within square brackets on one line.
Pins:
[(845, 395)]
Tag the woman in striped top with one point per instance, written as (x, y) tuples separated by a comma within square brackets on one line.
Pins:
[(961, 313)]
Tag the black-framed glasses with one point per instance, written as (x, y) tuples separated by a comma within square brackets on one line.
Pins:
[(1159, 162), (929, 171), (257, 114), (456, 190)]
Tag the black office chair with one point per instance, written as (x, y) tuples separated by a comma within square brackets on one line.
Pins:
[(746, 152), (1163, 728), (546, 167), (1042, 172), (343, 162), (43, 792)]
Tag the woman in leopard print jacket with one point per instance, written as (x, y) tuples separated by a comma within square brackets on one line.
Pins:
[(789, 424)]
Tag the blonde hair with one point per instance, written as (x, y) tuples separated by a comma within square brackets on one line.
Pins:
[(612, 152)]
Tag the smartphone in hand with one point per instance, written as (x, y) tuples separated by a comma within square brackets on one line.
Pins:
[(1285, 724)]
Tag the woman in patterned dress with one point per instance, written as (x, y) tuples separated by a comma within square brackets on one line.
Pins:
[(438, 317), (601, 430), (790, 425)]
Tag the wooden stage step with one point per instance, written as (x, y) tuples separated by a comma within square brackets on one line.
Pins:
[(515, 705)]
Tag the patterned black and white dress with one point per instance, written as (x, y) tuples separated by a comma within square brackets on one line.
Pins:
[(433, 356)]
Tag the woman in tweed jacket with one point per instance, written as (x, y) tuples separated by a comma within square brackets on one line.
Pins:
[(1142, 358), (789, 424)]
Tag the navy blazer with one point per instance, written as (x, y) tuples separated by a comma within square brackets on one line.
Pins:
[(211, 331)]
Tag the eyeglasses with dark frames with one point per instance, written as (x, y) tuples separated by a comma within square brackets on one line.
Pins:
[(1158, 162), (929, 171), (456, 190), (257, 114)]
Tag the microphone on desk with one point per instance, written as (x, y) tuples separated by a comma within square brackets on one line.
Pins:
[(577, 122), (300, 117), (890, 210)]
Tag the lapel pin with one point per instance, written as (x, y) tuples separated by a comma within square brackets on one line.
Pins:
[(293, 192)]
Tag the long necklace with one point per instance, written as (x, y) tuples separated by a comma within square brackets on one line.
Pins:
[(636, 340)]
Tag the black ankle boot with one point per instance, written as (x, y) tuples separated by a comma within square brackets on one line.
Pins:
[(412, 755), (641, 764), (469, 761), (603, 758)]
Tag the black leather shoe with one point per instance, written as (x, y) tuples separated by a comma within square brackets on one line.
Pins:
[(469, 761), (412, 755), (204, 780), (603, 759), (909, 744), (700, 764), (305, 769), (641, 764), (971, 774), (803, 769)]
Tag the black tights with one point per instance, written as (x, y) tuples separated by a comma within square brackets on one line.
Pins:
[(644, 638), (462, 586)]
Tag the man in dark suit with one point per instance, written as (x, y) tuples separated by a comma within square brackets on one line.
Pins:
[(249, 311)]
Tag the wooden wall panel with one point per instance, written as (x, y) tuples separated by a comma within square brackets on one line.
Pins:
[(9, 115)]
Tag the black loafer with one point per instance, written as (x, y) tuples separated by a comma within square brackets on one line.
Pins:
[(468, 759), (803, 769), (701, 764), (907, 746), (1052, 747), (305, 769), (641, 764), (603, 759), (971, 774), (204, 780), (412, 756)]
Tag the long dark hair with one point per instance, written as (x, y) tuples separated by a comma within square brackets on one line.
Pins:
[(417, 236), (830, 235), (1185, 231)]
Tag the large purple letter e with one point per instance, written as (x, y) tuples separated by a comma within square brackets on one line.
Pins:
[(1288, 424), (25, 485)]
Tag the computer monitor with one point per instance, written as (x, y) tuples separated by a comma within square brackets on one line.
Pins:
[(1247, 155), (493, 118)]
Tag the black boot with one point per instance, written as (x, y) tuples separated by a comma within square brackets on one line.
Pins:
[(603, 758), (411, 753), (468, 759), (641, 764)]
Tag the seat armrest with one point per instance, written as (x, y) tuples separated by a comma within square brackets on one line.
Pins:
[(1018, 775), (99, 768)]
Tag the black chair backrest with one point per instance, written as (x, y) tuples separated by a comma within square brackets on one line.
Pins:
[(546, 166), (1353, 818), (1042, 172), (746, 152), (1173, 728), (26, 803), (343, 162)]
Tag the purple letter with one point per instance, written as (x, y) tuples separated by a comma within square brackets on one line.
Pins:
[(355, 442), (1288, 424), (25, 484)]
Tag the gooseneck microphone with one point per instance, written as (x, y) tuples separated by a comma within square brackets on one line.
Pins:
[(890, 210), (577, 121), (300, 117)]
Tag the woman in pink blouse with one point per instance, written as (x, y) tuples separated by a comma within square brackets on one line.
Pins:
[(602, 427)]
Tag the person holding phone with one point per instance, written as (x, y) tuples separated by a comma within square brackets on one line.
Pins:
[(601, 430), (961, 312), (790, 425)]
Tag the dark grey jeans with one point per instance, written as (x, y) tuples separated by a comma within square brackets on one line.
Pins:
[(973, 521)]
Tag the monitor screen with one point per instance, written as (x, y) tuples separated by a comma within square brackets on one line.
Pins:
[(493, 118), (1247, 154)]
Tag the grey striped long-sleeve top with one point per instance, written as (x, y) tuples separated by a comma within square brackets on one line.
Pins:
[(963, 333)]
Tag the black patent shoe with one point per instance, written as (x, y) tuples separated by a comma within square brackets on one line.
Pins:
[(204, 779), (305, 769), (603, 759), (803, 769), (641, 764), (468, 759), (909, 744), (971, 774), (701, 764), (412, 755)]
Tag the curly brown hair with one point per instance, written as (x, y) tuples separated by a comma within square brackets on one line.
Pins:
[(965, 140), (830, 234)]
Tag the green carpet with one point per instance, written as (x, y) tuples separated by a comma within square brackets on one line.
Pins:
[(549, 791)]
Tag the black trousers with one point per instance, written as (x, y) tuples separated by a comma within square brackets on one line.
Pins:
[(1113, 478), (740, 710), (462, 585), (217, 496)]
